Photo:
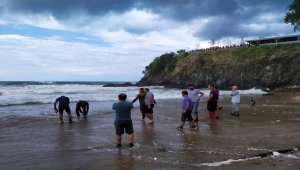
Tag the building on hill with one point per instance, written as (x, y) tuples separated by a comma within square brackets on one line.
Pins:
[(290, 39)]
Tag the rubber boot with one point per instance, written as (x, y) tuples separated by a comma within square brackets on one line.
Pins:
[(216, 115)]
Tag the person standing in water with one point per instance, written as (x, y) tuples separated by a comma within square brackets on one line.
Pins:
[(64, 103), (212, 102), (149, 102), (195, 95), (235, 100), (186, 107), (123, 120), (141, 97)]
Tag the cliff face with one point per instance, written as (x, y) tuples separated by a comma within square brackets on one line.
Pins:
[(274, 67)]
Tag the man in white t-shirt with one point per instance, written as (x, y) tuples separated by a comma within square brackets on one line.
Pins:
[(195, 95)]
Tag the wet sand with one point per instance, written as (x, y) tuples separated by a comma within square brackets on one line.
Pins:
[(41, 142)]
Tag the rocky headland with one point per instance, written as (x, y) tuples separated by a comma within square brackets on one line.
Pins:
[(275, 67)]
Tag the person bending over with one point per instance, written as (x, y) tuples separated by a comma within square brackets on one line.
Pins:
[(82, 106), (64, 103)]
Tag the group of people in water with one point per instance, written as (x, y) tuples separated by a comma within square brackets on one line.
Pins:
[(82, 106), (123, 121), (190, 103)]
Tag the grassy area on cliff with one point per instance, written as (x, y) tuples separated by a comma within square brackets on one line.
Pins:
[(184, 61)]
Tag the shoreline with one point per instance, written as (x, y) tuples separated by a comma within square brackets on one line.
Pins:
[(40, 142)]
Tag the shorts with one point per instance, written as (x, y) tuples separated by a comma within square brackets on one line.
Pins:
[(187, 116), (212, 106), (143, 109), (149, 110), (121, 125), (195, 107), (62, 108)]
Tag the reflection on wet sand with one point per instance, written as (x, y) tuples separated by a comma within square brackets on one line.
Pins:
[(124, 160)]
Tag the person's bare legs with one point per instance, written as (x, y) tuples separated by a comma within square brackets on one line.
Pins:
[(130, 140), (61, 117), (150, 117), (181, 125), (118, 140), (70, 117)]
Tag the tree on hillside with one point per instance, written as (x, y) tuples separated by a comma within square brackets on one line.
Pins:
[(212, 42), (293, 16)]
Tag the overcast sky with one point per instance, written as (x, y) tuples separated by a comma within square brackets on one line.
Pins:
[(113, 40)]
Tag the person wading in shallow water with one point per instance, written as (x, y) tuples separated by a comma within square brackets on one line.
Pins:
[(82, 106), (235, 100), (212, 102), (149, 101), (141, 97), (63, 105), (195, 95), (186, 107), (123, 120)]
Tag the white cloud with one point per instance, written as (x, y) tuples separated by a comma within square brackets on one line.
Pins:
[(123, 43), (24, 57), (2, 22)]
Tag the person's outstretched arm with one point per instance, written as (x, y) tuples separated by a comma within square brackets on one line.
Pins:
[(135, 99), (87, 107), (55, 105)]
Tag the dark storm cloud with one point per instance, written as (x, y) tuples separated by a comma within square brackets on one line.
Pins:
[(190, 9), (228, 15), (248, 12), (65, 8)]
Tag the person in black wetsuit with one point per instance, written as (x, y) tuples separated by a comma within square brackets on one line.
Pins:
[(63, 105), (82, 106), (141, 97)]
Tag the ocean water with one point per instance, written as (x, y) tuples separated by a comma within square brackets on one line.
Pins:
[(29, 93)]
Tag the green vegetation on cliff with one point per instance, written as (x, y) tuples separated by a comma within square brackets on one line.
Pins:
[(267, 66), (183, 61)]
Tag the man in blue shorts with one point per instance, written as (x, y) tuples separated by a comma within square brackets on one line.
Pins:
[(63, 105), (186, 110), (123, 119)]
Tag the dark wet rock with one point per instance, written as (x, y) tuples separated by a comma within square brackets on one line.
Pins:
[(127, 84), (268, 94)]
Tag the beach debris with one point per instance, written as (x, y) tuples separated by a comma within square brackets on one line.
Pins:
[(155, 158)]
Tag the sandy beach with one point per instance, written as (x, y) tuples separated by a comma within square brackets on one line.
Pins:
[(41, 142)]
